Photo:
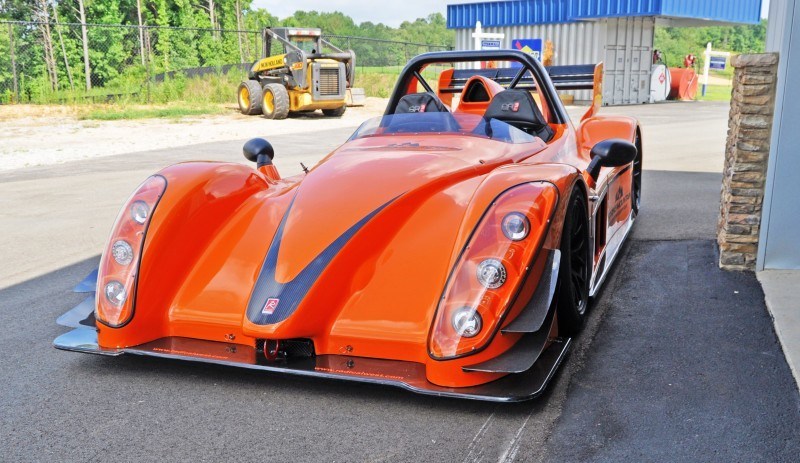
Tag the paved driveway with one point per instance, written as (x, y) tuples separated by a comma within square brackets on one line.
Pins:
[(678, 360)]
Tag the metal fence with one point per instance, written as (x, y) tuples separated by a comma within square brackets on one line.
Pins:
[(68, 62)]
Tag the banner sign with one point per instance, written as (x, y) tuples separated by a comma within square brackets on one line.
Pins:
[(490, 44), (530, 46), (717, 62)]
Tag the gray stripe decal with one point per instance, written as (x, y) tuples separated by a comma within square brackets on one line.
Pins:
[(290, 295)]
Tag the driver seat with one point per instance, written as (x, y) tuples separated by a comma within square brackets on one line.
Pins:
[(425, 102), (517, 108)]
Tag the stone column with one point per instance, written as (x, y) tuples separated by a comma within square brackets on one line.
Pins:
[(746, 155)]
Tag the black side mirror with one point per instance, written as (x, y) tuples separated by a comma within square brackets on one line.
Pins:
[(259, 151), (614, 152)]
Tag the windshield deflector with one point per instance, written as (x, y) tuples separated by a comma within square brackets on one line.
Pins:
[(442, 123)]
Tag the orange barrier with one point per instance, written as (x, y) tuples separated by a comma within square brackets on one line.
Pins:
[(684, 84)]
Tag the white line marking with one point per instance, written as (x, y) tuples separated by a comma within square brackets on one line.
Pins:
[(472, 456), (513, 447)]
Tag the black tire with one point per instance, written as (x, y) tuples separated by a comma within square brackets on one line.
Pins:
[(249, 97), (338, 112), (302, 113), (575, 268), (275, 102), (636, 188)]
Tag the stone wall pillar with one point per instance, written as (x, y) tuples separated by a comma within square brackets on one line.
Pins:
[(746, 155)]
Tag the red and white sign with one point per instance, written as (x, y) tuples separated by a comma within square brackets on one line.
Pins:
[(270, 306)]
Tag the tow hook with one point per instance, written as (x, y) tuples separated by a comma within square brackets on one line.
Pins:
[(272, 348)]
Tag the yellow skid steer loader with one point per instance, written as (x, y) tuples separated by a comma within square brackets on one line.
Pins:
[(301, 79)]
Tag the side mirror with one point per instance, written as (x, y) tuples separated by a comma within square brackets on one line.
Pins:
[(259, 151), (614, 152)]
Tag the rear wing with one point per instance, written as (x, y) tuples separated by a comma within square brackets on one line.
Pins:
[(576, 77)]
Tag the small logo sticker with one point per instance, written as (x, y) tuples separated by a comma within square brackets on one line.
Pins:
[(514, 107), (270, 306)]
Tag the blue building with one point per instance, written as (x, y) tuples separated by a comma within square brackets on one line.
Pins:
[(617, 32)]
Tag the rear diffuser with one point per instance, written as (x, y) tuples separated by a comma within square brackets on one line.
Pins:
[(406, 375)]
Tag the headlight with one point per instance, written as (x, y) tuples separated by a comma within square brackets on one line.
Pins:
[(485, 281), (140, 212), (116, 277), (467, 322), (516, 226), (491, 273), (122, 252), (115, 293)]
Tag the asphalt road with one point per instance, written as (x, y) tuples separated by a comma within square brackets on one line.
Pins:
[(678, 361)]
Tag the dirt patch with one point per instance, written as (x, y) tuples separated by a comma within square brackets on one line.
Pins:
[(37, 134)]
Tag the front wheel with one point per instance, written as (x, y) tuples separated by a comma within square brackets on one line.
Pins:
[(275, 104), (575, 267), (336, 112)]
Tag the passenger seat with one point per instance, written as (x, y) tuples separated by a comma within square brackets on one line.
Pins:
[(518, 109)]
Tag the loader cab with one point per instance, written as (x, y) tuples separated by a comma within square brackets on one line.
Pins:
[(307, 39)]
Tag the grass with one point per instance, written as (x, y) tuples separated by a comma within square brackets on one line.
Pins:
[(116, 113), (714, 93), (375, 84), (391, 70), (378, 81), (727, 73)]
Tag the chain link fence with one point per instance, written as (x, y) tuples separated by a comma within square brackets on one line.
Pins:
[(72, 63)]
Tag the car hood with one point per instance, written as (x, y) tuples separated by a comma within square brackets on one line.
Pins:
[(368, 174)]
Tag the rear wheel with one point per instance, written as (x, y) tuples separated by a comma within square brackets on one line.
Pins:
[(249, 97), (337, 112), (575, 267), (275, 103), (636, 197)]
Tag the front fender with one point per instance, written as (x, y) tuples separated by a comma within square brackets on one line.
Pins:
[(564, 178), (200, 200)]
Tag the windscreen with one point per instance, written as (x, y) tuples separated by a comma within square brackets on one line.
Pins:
[(307, 44), (443, 123)]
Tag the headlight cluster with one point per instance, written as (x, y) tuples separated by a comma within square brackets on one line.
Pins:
[(488, 275), (119, 265)]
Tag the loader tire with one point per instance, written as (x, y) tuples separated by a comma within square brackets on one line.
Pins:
[(337, 112), (249, 97), (275, 103)]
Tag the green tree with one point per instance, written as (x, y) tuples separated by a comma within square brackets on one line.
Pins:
[(677, 42), (108, 48)]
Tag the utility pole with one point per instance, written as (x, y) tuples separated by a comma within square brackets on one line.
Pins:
[(47, 41), (86, 69), (63, 49), (13, 61), (141, 33)]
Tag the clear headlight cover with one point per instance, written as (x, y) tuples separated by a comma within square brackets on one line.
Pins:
[(119, 265), (490, 270)]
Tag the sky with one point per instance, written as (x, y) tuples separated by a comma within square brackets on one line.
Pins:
[(389, 12)]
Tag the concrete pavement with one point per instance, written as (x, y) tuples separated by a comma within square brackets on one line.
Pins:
[(686, 357), (780, 291)]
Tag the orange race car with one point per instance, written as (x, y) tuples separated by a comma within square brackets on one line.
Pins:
[(450, 247)]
